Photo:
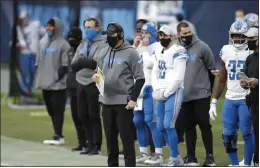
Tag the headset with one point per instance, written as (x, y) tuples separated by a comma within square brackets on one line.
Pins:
[(97, 23), (119, 31)]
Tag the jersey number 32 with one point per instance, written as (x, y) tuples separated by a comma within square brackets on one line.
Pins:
[(235, 66)]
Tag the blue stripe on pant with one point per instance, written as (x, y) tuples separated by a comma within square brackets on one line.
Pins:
[(27, 62), (236, 114), (147, 116), (166, 116)]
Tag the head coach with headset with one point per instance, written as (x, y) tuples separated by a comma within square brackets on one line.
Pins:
[(123, 80), (84, 63)]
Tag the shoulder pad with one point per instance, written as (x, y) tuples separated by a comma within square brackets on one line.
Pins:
[(180, 52)]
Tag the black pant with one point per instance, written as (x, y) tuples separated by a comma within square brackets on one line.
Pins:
[(75, 117), (116, 119), (197, 112), (255, 116), (180, 126), (55, 101), (89, 113), (152, 148)]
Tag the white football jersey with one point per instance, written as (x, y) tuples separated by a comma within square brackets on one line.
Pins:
[(234, 60), (166, 72), (147, 57), (29, 37)]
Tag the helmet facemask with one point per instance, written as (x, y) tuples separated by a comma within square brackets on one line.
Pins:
[(238, 40)]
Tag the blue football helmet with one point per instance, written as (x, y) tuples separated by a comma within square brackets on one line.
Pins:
[(237, 33)]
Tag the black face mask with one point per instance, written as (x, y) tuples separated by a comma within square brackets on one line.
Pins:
[(74, 43), (165, 42), (186, 40), (251, 44), (112, 41)]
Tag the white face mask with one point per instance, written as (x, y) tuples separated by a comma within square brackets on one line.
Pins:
[(238, 18)]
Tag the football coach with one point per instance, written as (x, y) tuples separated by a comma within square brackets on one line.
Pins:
[(123, 79)]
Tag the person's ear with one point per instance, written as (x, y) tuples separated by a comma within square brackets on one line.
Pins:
[(98, 28)]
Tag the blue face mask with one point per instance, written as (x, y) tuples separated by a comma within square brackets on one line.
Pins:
[(151, 40), (50, 34), (90, 34)]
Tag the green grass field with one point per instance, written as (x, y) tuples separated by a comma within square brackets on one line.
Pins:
[(19, 124)]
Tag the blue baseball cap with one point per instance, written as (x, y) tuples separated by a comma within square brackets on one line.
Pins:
[(151, 28)]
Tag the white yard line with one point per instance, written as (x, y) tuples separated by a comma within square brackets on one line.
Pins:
[(38, 114), (15, 106), (16, 152)]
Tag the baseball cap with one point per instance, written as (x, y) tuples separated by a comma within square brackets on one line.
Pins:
[(112, 29), (75, 32), (150, 28), (166, 30), (252, 32), (51, 22)]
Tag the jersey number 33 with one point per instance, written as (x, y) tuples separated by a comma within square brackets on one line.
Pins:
[(162, 68), (234, 67)]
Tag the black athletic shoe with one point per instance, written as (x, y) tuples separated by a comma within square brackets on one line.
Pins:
[(94, 151), (86, 150), (190, 161), (209, 161), (78, 148), (256, 161)]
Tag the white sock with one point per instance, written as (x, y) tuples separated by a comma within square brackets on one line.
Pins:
[(172, 158), (144, 150), (158, 150)]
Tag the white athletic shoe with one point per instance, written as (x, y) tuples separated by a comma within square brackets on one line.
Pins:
[(55, 141), (142, 157), (121, 155), (176, 162), (242, 163), (156, 159)]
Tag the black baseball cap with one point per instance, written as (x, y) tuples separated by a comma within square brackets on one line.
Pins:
[(75, 32), (51, 22), (113, 28)]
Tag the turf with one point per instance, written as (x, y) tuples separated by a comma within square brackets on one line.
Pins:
[(19, 124)]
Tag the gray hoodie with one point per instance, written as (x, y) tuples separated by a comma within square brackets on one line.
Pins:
[(120, 67), (52, 54), (84, 76), (196, 80)]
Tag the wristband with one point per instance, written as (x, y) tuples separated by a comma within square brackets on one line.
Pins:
[(214, 101)]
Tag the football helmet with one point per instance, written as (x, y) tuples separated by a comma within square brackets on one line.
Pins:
[(252, 19), (237, 33)]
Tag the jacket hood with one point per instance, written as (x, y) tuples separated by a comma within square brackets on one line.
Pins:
[(99, 38), (124, 46), (112, 52), (59, 27), (96, 39)]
